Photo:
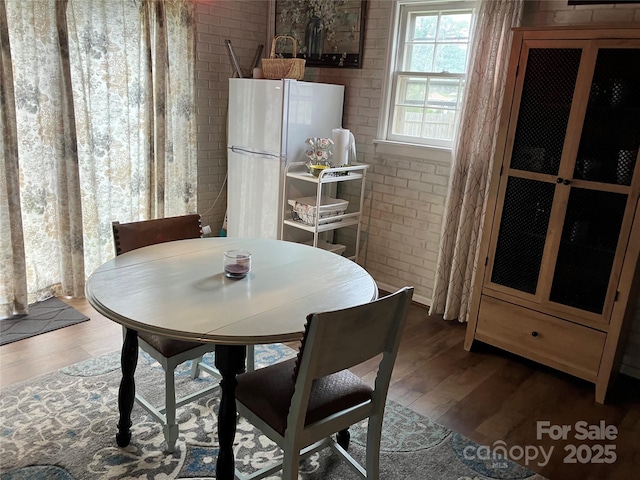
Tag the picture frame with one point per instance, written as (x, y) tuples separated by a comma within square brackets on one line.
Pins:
[(329, 33)]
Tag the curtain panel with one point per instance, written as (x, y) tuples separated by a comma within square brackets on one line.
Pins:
[(98, 126), (13, 279), (472, 157)]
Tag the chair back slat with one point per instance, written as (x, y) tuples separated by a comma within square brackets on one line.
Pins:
[(353, 336), (341, 339), (132, 235)]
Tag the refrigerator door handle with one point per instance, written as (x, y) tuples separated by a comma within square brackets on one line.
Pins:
[(253, 153)]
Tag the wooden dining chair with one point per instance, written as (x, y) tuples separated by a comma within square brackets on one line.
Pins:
[(168, 352), (133, 235), (301, 402)]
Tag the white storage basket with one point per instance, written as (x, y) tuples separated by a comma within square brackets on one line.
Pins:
[(304, 210)]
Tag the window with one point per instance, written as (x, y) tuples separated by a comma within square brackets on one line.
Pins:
[(428, 73)]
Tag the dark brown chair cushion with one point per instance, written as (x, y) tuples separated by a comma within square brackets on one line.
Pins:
[(168, 347), (329, 394)]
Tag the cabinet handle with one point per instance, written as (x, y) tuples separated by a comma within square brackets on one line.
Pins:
[(567, 182), (534, 334), (559, 180)]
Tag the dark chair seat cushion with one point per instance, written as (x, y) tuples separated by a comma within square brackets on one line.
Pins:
[(166, 346), (267, 392)]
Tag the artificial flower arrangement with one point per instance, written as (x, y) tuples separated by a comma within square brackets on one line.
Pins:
[(319, 150), (319, 153)]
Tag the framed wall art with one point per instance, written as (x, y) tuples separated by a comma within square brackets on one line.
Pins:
[(329, 33)]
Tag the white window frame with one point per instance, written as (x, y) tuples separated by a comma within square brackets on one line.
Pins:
[(399, 21)]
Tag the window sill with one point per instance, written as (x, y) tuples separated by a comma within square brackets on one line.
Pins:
[(413, 150)]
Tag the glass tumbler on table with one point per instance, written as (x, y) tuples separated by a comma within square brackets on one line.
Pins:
[(236, 263)]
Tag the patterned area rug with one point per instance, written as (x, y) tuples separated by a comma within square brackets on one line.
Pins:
[(62, 426), (45, 316)]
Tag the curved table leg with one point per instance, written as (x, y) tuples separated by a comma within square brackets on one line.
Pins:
[(230, 361), (127, 392)]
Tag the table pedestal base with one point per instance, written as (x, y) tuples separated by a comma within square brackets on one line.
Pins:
[(230, 361)]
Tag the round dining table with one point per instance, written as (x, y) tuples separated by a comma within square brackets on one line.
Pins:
[(178, 289)]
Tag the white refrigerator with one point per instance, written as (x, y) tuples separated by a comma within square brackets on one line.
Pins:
[(268, 123)]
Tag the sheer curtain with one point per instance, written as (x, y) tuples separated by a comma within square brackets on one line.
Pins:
[(13, 280), (472, 157), (104, 130)]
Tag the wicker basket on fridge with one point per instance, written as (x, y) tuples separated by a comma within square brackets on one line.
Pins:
[(279, 68)]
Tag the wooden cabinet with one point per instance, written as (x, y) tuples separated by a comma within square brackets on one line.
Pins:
[(317, 230), (561, 237)]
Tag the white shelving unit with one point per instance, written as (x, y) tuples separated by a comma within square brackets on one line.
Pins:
[(300, 183)]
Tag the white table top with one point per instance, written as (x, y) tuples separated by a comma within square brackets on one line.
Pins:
[(178, 289)]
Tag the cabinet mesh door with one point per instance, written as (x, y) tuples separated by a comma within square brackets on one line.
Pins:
[(523, 231), (587, 250), (547, 94), (611, 131)]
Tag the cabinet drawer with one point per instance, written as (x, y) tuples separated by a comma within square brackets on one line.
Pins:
[(545, 339)]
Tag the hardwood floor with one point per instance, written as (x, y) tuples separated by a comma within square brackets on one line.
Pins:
[(487, 395)]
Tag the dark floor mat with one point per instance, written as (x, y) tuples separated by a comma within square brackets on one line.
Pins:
[(45, 316)]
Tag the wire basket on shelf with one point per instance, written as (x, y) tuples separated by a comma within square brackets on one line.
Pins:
[(304, 210), (279, 68)]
